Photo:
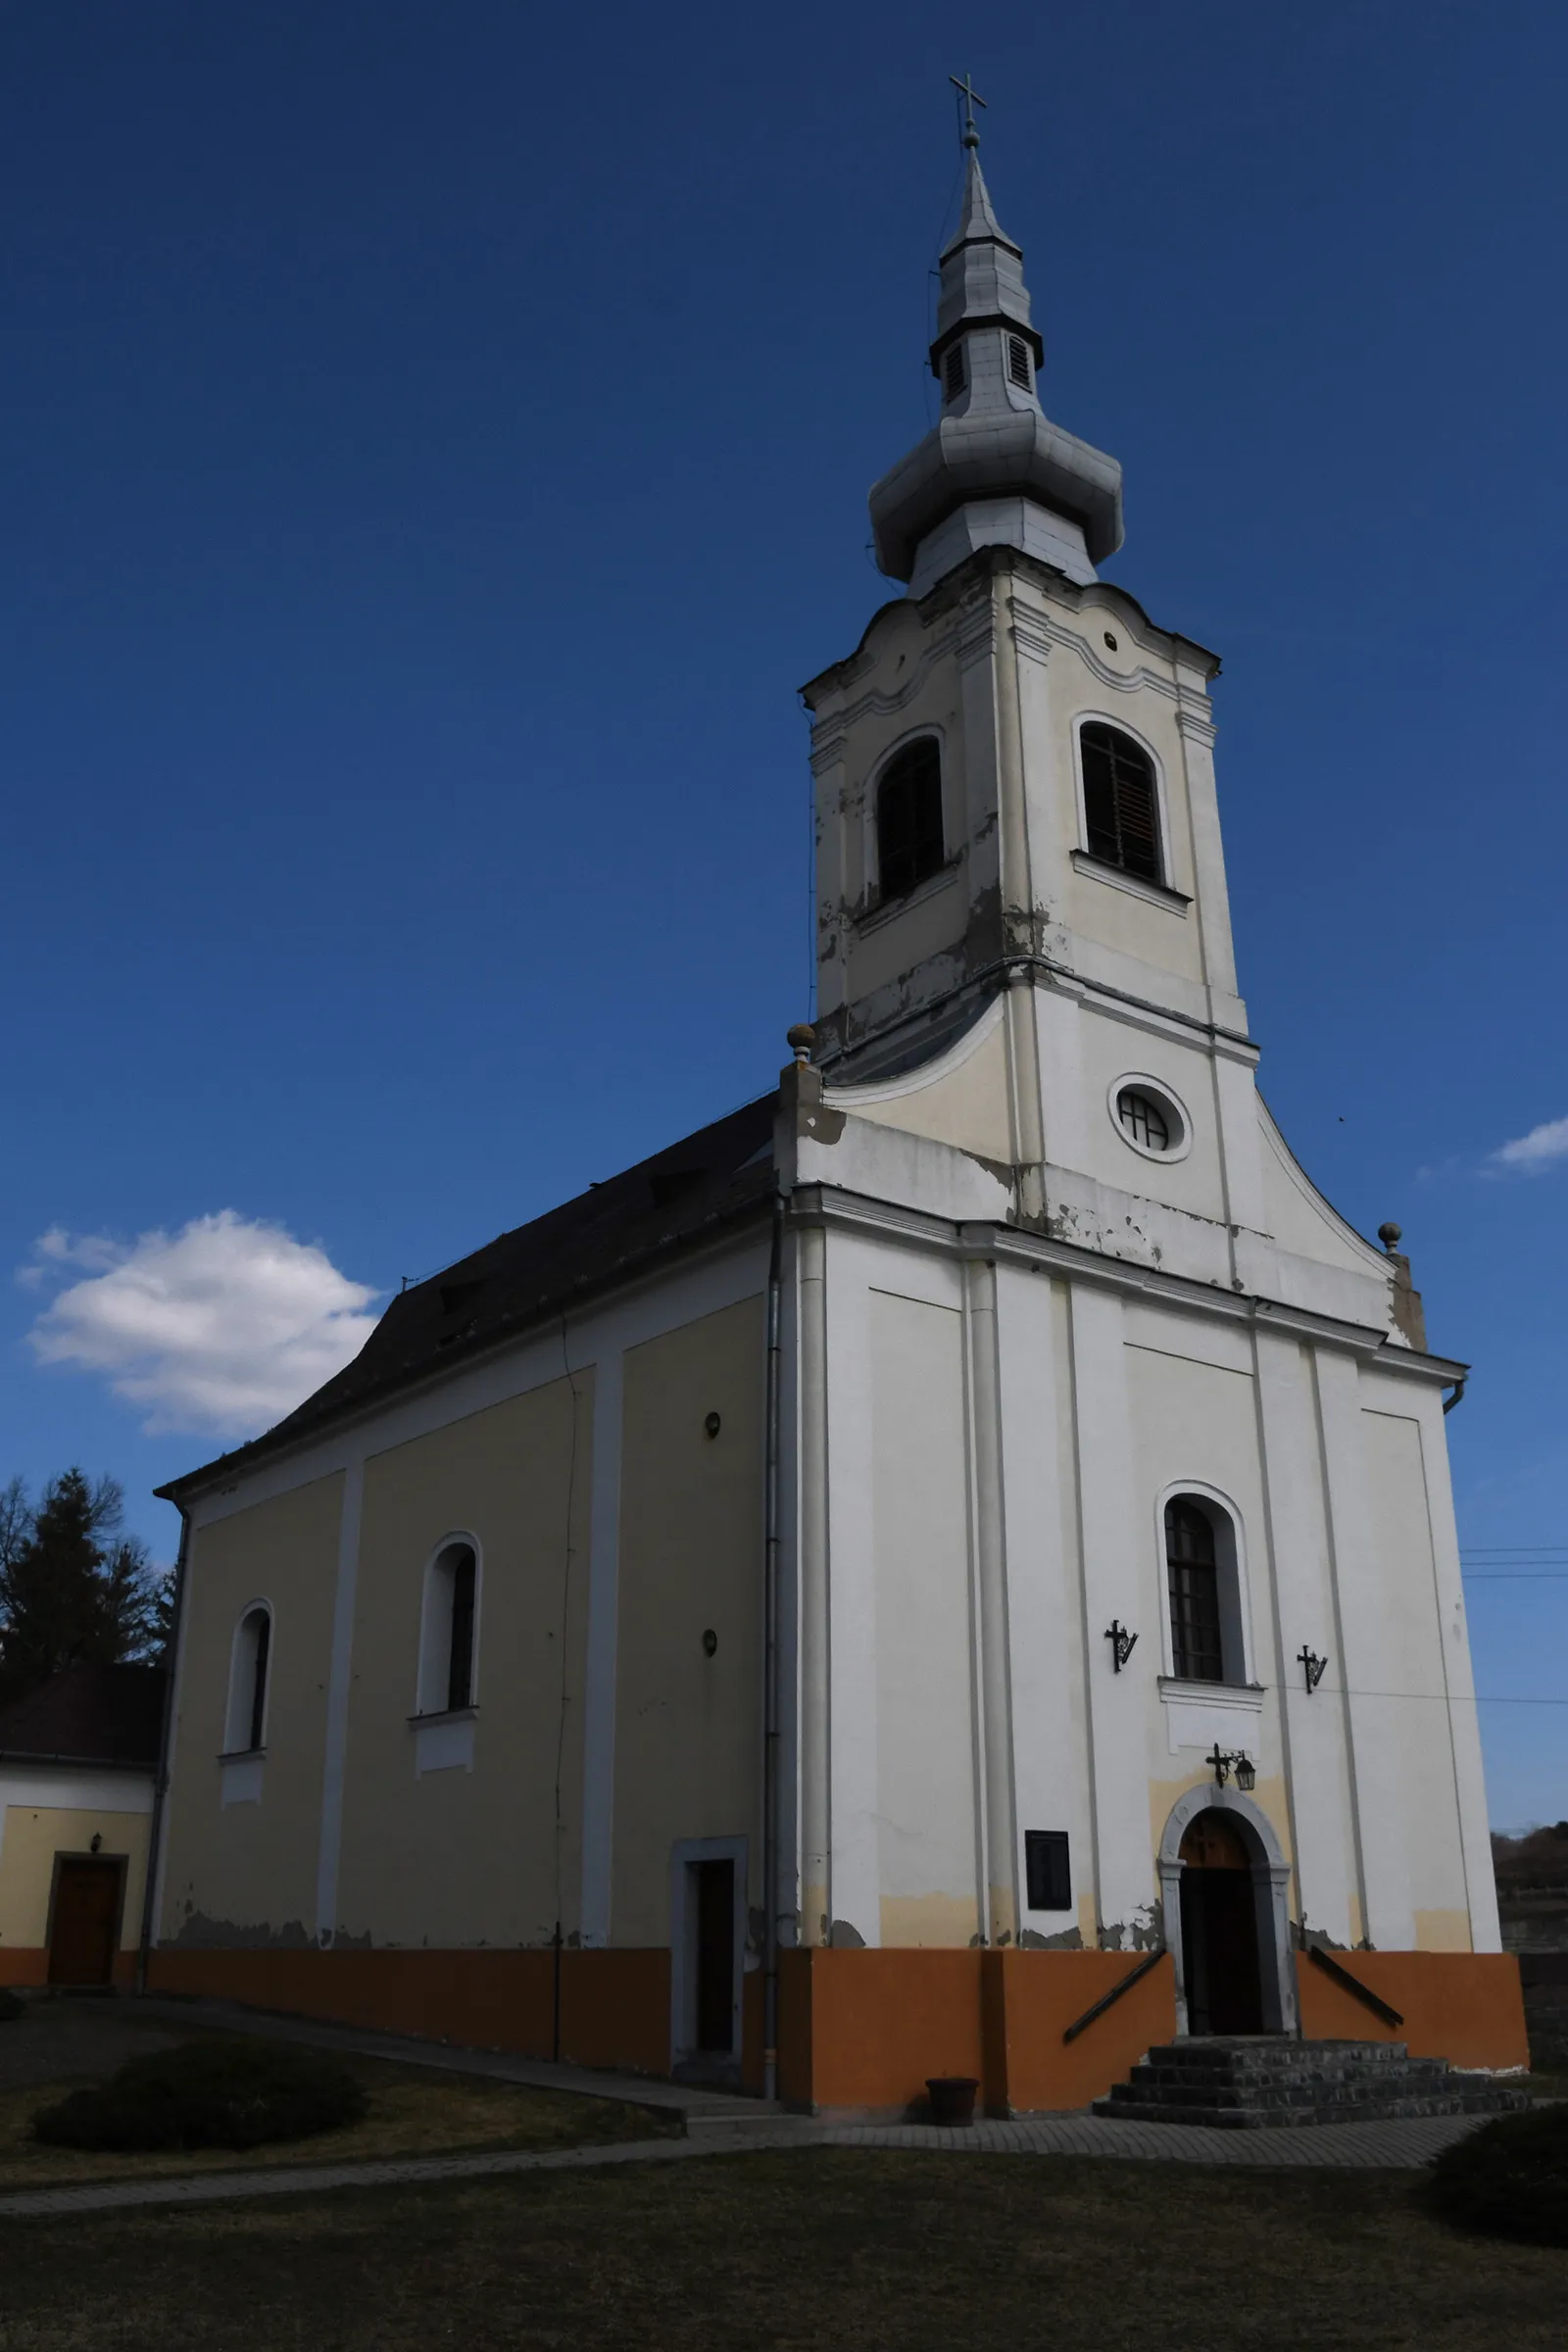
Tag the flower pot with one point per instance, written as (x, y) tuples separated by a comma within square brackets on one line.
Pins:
[(951, 2098)]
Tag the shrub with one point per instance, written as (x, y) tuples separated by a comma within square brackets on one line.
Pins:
[(208, 2094), (9, 2006), (1510, 2177)]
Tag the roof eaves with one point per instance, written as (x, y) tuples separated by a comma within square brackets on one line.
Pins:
[(288, 1436)]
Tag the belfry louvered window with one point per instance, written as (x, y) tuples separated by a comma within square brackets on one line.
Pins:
[(909, 845), (1196, 1644), (1120, 805), (1019, 361), (953, 370)]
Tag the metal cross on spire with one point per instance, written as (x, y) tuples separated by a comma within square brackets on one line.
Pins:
[(971, 98)]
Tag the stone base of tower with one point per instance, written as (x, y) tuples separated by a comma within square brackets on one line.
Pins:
[(859, 2031)]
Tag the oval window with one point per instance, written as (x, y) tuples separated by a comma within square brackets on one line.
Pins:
[(1144, 1119), (1150, 1117)]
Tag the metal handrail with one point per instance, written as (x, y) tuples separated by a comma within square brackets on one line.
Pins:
[(1107, 1999), (1353, 1984)]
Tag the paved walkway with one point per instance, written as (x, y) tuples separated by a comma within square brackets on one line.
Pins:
[(1382, 2146), (717, 2123)]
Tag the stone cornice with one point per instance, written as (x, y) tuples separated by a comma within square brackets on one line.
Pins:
[(1010, 1245)]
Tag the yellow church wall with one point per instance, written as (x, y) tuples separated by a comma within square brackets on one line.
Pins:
[(31, 1838), (688, 1732), (246, 1873), (456, 1856)]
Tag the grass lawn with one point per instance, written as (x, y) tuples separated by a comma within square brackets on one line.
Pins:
[(413, 2110), (804, 2248)]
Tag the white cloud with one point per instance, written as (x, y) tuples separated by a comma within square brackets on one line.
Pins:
[(1533, 1153), (219, 1328)]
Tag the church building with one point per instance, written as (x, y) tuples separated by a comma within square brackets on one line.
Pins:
[(949, 1570)]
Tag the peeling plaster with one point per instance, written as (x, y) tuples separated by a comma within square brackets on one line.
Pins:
[(1144, 1933), (199, 1933), (1070, 1941)]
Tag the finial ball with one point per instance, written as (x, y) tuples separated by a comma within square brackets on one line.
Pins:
[(1389, 1236), (800, 1039)]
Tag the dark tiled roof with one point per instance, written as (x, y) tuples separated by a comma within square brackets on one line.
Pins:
[(92, 1714), (716, 1176)]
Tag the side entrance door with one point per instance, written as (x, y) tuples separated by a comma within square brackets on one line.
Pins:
[(86, 1926)]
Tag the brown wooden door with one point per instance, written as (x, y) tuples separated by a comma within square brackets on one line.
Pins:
[(81, 1950), (1220, 1931)]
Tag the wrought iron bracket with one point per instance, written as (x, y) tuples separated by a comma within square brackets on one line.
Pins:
[(1122, 1644)]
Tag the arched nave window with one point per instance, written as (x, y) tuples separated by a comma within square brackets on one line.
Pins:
[(909, 844), (447, 1647), (1121, 806), (1204, 1586), (245, 1728)]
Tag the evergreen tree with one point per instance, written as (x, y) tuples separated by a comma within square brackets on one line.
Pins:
[(72, 1587)]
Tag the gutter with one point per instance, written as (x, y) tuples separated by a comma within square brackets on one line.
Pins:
[(155, 1839), (771, 1669), (33, 1755)]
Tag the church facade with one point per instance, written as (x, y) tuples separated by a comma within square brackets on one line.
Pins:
[(951, 1569)]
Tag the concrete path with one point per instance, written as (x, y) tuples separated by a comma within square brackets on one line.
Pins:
[(717, 2122), (1381, 2147)]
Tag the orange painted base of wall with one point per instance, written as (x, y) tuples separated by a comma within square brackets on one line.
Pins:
[(864, 2030), (614, 2006), (1467, 2007), (858, 2029), (19, 1966)]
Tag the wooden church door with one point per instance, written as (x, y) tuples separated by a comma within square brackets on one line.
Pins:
[(1220, 1931), (82, 1945)]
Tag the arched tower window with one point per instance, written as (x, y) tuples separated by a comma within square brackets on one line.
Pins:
[(1120, 804), (1192, 1566), (447, 1647), (909, 846), (246, 1727)]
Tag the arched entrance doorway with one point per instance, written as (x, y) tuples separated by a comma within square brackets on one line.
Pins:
[(1220, 1931), (1224, 1887)]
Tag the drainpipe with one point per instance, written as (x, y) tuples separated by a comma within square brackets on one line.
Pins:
[(770, 1694), (155, 1835)]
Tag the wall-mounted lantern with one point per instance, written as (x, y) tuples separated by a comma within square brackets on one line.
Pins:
[(1225, 1761)]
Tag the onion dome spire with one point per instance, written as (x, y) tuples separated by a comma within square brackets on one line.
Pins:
[(994, 471)]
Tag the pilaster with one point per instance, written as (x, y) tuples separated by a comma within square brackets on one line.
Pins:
[(1117, 1729)]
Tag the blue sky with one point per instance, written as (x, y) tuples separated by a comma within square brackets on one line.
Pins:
[(439, 440)]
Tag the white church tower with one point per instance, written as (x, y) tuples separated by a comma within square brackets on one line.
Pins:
[(1072, 1314)]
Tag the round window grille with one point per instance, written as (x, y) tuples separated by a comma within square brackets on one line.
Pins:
[(1147, 1121)]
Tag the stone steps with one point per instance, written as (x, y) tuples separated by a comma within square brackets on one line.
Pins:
[(1261, 2081)]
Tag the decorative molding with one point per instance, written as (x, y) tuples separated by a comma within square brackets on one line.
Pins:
[(1121, 682), (240, 1777), (828, 733), (1196, 725), (976, 637), (886, 909), (1031, 639), (1015, 1245), (1158, 894)]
